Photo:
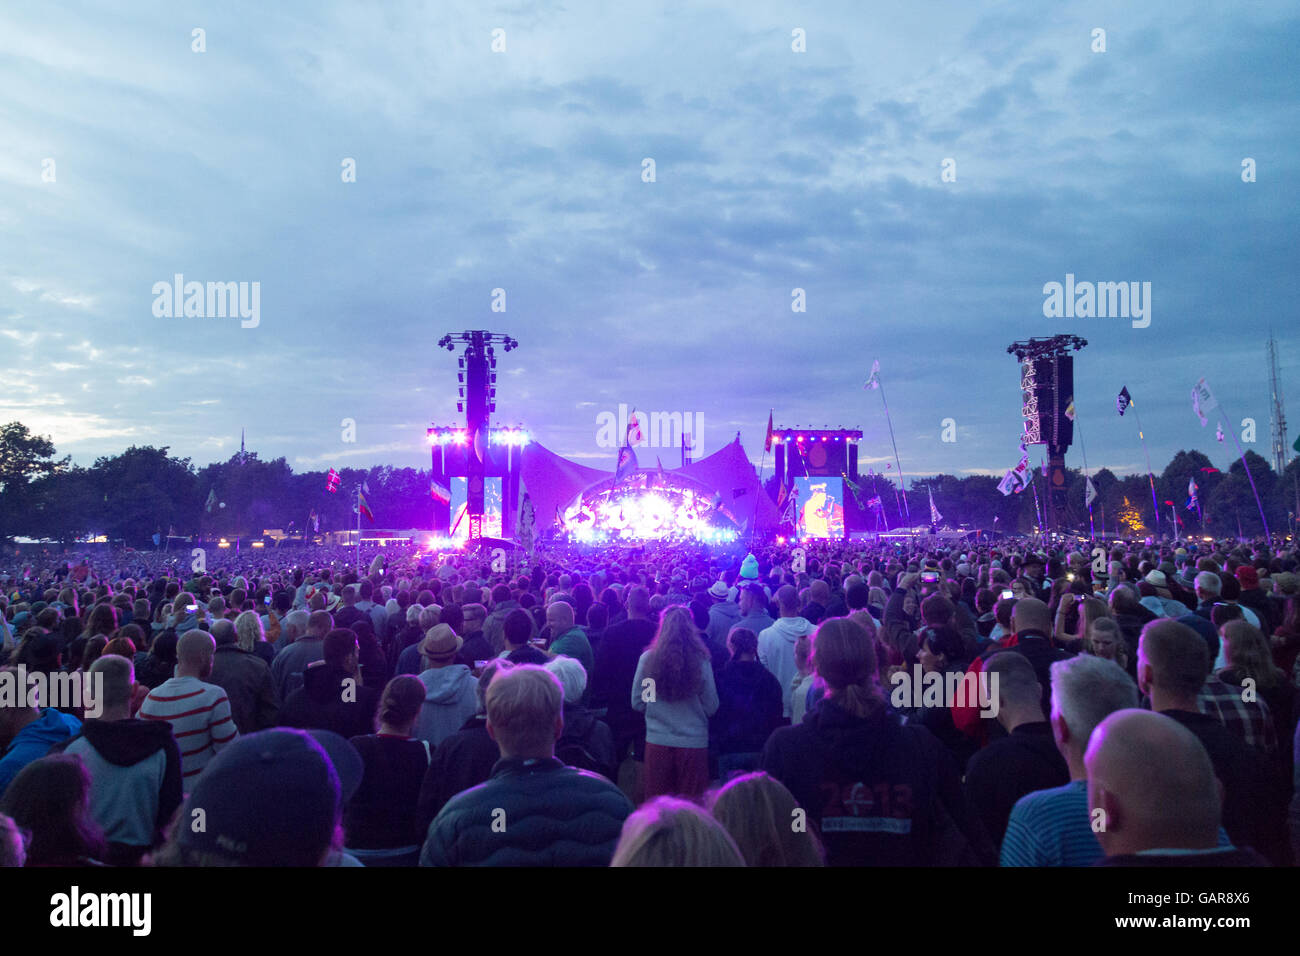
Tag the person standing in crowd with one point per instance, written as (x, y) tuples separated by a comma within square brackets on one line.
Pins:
[(1023, 761), (198, 712), (851, 758), (246, 679), (769, 827), (451, 695), (50, 799), (1153, 785), (668, 831), (382, 820), (288, 666), (749, 706), (556, 815), (28, 732), (673, 686), (776, 643), (134, 766), (332, 696)]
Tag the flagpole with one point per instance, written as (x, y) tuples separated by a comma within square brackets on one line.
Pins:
[(1241, 451), (358, 529), (762, 463), (1092, 532), (1150, 475), (889, 420)]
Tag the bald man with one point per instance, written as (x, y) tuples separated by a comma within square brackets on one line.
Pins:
[(567, 639), (1172, 664), (199, 712), (1031, 623), (1153, 798)]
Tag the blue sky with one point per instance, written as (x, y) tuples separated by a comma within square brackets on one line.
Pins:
[(522, 170)]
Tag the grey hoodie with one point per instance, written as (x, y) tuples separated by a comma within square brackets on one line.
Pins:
[(450, 699), (776, 652)]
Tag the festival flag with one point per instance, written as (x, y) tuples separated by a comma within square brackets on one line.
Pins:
[(1218, 433), (332, 482), (874, 381), (1123, 401), (1203, 400), (1043, 465), (781, 496), (439, 492), (1008, 483), (717, 501), (633, 436), (626, 463), (1069, 408), (935, 517), (1090, 494), (365, 507), (767, 442), (854, 488), (875, 504), (365, 486), (1191, 493), (212, 500)]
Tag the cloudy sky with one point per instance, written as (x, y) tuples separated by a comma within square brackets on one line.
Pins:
[(126, 157)]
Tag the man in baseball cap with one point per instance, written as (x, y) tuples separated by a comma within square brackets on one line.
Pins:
[(273, 798)]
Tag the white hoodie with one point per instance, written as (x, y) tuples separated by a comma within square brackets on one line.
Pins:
[(776, 651)]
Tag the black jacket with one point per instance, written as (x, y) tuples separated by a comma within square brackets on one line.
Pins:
[(475, 648), (882, 793), (320, 704), (1008, 768), (463, 760), (587, 743), (750, 705), (246, 679), (382, 814)]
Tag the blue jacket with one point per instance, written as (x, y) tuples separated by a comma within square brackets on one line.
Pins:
[(529, 813), (34, 741)]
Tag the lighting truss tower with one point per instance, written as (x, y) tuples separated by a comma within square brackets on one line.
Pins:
[(1047, 387), (1280, 445), (476, 396)]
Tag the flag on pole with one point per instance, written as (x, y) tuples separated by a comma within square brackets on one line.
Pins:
[(1008, 483), (1203, 400), (1069, 408), (212, 500), (875, 504), (365, 507), (634, 435), (767, 442), (853, 487), (1124, 400), (439, 492), (1218, 433), (1191, 492), (626, 463), (874, 381), (1090, 494), (365, 486), (935, 517), (1043, 465), (717, 501)]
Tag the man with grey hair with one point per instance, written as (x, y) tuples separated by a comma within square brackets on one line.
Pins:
[(534, 810), (135, 765), (288, 667), (1023, 761), (1052, 827), (245, 678), (292, 626), (1152, 789)]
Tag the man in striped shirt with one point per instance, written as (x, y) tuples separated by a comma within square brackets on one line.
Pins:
[(199, 713)]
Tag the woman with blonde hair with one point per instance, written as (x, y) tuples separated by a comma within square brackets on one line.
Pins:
[(250, 636), (768, 825), (674, 688), (670, 832)]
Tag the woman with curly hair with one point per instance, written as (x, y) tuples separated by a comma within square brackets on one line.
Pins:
[(674, 688)]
